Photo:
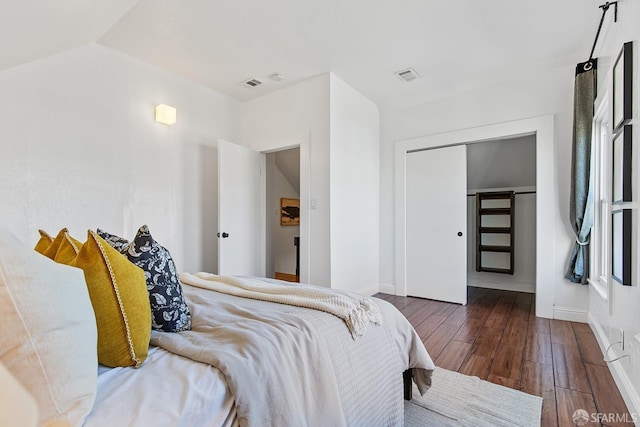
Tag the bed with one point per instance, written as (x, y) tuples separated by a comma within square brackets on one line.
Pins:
[(242, 362)]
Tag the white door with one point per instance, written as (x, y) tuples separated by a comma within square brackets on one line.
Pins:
[(436, 212), (240, 242)]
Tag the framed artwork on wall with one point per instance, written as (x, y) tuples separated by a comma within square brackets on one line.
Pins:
[(622, 87), (621, 168), (621, 246), (289, 211)]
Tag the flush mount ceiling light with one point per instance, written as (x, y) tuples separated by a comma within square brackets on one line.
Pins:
[(407, 75), (276, 77), (165, 114)]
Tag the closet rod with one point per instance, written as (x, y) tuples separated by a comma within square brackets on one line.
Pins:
[(516, 193)]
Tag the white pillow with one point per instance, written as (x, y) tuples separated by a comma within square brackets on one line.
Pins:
[(48, 337), (17, 407)]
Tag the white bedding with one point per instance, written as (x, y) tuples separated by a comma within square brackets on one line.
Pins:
[(355, 310), (358, 382), (167, 390), (293, 366)]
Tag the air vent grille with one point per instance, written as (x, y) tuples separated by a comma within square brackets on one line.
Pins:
[(251, 83), (407, 75)]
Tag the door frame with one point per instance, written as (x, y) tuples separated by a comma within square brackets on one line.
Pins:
[(301, 141), (543, 128)]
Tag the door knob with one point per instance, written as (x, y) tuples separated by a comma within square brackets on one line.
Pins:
[(459, 233), (224, 235)]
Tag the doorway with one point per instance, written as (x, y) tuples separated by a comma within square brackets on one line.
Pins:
[(493, 167), (216, 231), (282, 220), (543, 129)]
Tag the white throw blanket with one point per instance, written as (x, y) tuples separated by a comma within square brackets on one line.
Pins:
[(356, 311), (294, 366)]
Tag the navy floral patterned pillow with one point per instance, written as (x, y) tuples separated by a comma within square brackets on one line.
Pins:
[(169, 311), (116, 242)]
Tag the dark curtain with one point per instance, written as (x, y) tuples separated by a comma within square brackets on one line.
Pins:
[(581, 204)]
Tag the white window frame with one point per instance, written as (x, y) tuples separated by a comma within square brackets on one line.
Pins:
[(600, 265)]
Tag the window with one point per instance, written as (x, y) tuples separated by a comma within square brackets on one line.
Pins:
[(601, 184)]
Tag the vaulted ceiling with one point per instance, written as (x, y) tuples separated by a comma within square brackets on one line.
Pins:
[(454, 45)]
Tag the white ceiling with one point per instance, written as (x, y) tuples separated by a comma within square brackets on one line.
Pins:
[(33, 29), (455, 45)]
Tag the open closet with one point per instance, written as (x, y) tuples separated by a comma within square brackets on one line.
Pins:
[(501, 214), (428, 273), (442, 185), (499, 249)]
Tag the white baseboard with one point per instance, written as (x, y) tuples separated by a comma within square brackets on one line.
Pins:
[(390, 289), (368, 291), (514, 286), (570, 314), (627, 389), (387, 288)]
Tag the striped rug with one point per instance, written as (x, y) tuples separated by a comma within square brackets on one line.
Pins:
[(460, 400)]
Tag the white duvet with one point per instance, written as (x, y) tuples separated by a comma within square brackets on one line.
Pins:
[(256, 363), (166, 391)]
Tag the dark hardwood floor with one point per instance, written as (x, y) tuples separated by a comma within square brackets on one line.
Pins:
[(497, 337)]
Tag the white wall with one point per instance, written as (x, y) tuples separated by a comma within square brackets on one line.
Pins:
[(502, 163), (622, 308), (343, 157), (524, 97), (354, 159), (281, 252), (282, 119), (523, 278), (80, 149)]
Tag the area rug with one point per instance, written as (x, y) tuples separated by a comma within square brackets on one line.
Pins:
[(460, 400)]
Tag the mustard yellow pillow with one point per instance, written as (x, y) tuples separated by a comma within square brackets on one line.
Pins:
[(44, 242), (118, 293), (55, 244), (68, 250)]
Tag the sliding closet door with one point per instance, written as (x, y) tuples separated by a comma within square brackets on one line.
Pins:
[(436, 211), (240, 241)]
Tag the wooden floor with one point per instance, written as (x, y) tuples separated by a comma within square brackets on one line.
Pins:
[(497, 337)]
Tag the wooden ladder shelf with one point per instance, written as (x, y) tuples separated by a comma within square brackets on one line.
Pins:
[(495, 214)]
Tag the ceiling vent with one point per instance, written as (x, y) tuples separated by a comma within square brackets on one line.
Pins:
[(251, 83), (407, 75)]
